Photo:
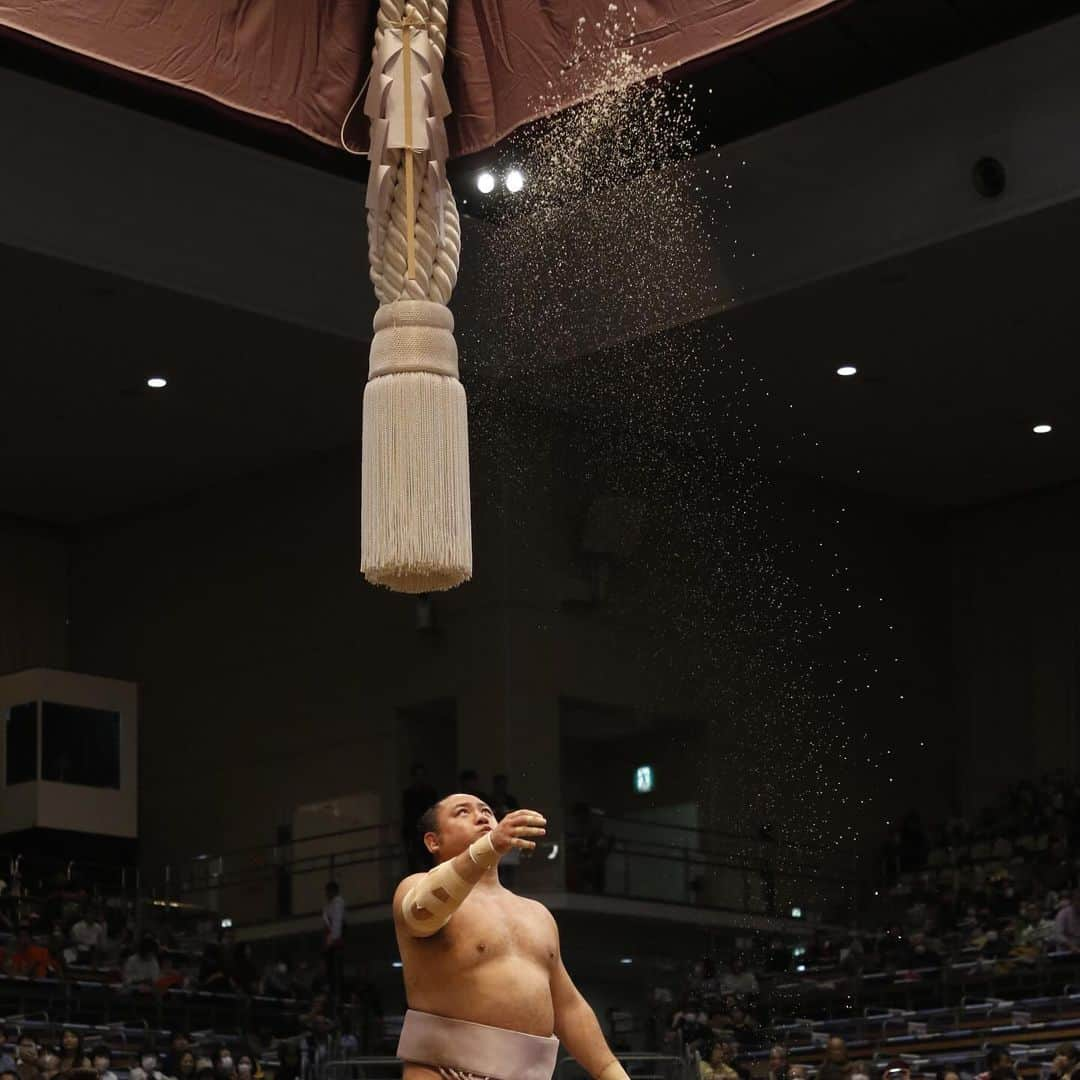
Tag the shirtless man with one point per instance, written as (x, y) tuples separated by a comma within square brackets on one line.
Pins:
[(487, 990)]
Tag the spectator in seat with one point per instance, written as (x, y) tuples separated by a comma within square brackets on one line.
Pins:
[(1066, 1059), (224, 1065), (836, 1065), (30, 960), (170, 978), (179, 1044), (247, 1066), (148, 1067), (334, 940), (860, 1070), (50, 1065), (102, 1059), (798, 1072), (277, 980), (743, 1028), (996, 1058), (212, 973), (141, 968), (1067, 925), (185, 1066), (72, 1055), (28, 1064), (88, 937), (8, 1050), (717, 1065), (739, 981), (8, 1074), (778, 1066)]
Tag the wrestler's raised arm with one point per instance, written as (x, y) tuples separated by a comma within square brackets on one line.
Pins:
[(424, 903), (578, 1029)]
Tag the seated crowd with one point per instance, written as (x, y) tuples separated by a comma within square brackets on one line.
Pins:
[(24, 1057)]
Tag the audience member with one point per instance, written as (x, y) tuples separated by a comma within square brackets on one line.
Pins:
[(8, 1050), (179, 1044), (836, 1065), (184, 1068), (30, 960), (72, 1055), (739, 981), (102, 1061), (333, 918), (141, 969), (778, 1065), (28, 1063), (212, 973), (717, 1064), (88, 937), (1067, 924), (1065, 1061)]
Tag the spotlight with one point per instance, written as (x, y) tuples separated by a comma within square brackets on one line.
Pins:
[(396, 964), (626, 960), (846, 370), (485, 182), (515, 181), (796, 912), (156, 382), (1042, 429)]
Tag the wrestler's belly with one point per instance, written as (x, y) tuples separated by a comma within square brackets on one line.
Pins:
[(509, 992)]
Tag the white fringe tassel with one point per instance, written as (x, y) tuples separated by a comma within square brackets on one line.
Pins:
[(416, 531)]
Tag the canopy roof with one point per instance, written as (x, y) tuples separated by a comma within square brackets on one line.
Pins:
[(303, 62)]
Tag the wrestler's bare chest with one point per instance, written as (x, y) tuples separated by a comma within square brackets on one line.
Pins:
[(488, 928)]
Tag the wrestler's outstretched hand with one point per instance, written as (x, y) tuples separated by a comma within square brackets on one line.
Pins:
[(516, 829)]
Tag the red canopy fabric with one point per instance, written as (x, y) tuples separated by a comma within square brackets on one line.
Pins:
[(302, 62)]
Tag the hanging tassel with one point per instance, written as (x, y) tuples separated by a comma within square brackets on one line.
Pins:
[(416, 532)]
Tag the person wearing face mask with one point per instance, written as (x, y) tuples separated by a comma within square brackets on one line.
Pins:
[(102, 1059), (50, 1065), (224, 1066), (247, 1067), (148, 1065)]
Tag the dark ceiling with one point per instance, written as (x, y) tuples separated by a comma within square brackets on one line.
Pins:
[(961, 349)]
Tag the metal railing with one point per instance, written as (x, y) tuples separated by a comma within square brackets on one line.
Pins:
[(703, 868)]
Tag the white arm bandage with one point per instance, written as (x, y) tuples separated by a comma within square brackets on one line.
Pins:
[(428, 905)]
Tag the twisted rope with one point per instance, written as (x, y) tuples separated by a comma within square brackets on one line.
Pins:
[(437, 250)]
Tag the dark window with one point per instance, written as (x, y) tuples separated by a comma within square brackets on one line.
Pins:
[(22, 743), (80, 745)]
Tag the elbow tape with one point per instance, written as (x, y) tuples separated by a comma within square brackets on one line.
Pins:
[(428, 905)]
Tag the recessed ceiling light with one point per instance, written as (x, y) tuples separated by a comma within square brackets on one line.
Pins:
[(515, 181), (156, 382), (1042, 429), (846, 370), (485, 182)]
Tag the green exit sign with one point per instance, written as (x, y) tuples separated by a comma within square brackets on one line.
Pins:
[(644, 779)]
